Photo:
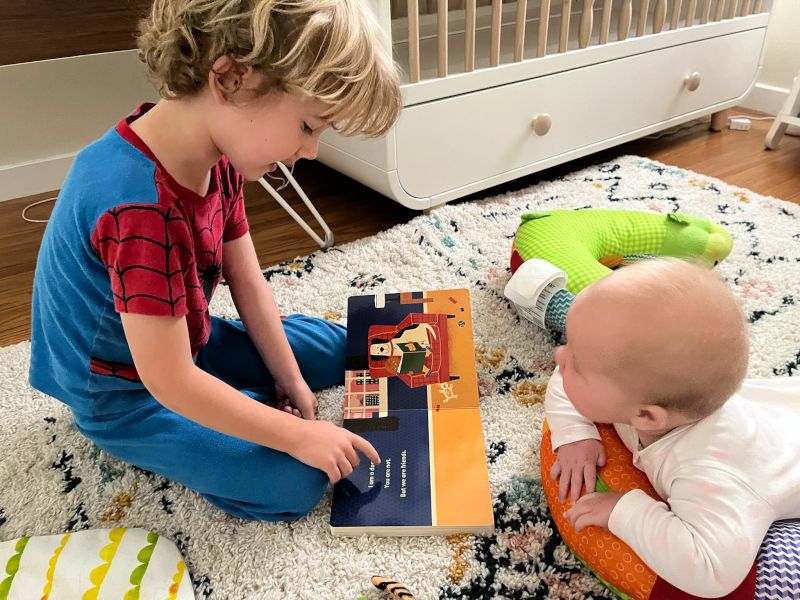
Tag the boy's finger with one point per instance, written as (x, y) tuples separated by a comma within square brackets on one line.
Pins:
[(555, 470), (352, 456), (359, 443), (345, 468), (333, 474)]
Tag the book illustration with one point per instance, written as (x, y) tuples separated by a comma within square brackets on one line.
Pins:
[(411, 390), (414, 350)]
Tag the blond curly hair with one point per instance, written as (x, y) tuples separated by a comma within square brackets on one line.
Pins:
[(333, 50)]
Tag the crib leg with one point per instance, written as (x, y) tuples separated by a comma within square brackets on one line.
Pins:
[(718, 120)]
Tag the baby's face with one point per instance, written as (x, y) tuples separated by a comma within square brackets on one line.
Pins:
[(594, 395), (584, 365)]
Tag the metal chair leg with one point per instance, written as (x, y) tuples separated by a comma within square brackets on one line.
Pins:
[(328, 241)]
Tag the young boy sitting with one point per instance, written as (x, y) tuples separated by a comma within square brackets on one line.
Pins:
[(660, 350)]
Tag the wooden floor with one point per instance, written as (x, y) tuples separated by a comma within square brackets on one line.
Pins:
[(354, 211)]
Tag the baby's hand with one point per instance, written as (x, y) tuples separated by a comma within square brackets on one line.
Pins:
[(576, 465), (592, 509)]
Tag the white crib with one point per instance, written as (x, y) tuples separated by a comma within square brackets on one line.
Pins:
[(498, 89)]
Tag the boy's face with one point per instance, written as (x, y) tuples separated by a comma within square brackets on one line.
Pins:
[(276, 127), (584, 361)]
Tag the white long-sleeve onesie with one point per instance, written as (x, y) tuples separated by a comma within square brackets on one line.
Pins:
[(725, 480)]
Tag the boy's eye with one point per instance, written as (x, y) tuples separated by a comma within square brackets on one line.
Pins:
[(307, 128)]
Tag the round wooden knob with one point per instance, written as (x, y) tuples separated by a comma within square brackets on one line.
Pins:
[(692, 82), (541, 124)]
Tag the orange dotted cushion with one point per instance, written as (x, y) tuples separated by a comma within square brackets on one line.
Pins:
[(610, 559)]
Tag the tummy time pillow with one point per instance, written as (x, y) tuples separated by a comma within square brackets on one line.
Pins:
[(558, 253)]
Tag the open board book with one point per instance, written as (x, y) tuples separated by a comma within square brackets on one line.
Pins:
[(411, 389)]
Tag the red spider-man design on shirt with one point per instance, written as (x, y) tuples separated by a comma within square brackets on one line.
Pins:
[(165, 259), (124, 236)]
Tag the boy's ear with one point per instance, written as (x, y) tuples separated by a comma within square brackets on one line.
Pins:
[(650, 417), (227, 77)]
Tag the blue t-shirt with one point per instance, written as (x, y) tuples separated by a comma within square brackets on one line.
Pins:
[(124, 236)]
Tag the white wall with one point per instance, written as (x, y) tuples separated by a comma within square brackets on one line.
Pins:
[(51, 109), (781, 60)]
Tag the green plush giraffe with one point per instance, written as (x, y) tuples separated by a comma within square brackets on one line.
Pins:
[(587, 244)]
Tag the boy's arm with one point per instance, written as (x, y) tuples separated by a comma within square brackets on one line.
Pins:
[(566, 424), (706, 540), (257, 309), (162, 356)]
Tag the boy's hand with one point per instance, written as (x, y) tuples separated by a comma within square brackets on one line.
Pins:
[(331, 449), (297, 399), (592, 509), (576, 465)]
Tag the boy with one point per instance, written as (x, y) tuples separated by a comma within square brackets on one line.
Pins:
[(152, 214), (660, 349)]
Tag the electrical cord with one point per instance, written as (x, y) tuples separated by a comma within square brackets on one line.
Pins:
[(751, 118), (284, 183), (30, 206), (284, 180)]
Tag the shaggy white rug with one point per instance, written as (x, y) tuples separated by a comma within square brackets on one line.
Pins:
[(54, 480)]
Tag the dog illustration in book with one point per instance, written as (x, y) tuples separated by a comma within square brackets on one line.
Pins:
[(415, 350)]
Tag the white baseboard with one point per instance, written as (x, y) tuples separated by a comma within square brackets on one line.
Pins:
[(27, 179), (766, 98)]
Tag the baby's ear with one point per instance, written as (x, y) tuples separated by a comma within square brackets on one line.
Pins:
[(650, 417)]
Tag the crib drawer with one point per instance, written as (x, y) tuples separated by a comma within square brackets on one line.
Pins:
[(450, 143)]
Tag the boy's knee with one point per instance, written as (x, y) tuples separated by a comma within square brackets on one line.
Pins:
[(319, 347), (289, 495), (309, 494)]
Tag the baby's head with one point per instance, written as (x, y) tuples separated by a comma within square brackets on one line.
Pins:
[(311, 63), (655, 345)]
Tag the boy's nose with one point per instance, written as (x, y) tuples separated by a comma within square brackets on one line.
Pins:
[(309, 151)]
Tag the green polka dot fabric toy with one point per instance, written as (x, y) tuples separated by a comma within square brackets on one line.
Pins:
[(558, 253)]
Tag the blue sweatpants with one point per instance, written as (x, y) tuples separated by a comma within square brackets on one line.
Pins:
[(240, 477)]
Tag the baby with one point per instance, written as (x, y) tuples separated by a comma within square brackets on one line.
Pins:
[(660, 350)]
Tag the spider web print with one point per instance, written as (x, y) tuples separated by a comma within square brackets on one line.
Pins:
[(145, 247), (154, 270), (165, 259)]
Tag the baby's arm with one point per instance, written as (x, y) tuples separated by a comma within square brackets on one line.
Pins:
[(575, 440), (705, 540), (162, 356), (256, 306)]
